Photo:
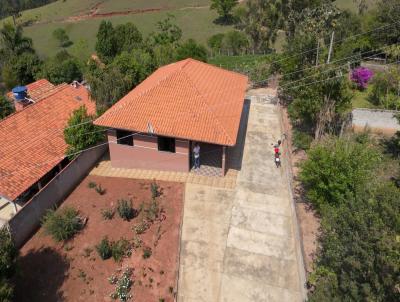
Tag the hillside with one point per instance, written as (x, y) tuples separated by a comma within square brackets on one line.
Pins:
[(81, 18)]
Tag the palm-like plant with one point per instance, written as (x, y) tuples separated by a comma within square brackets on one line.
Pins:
[(12, 41)]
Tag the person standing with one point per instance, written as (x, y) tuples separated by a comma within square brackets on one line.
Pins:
[(196, 155)]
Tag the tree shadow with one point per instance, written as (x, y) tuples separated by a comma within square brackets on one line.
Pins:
[(228, 20), (41, 273)]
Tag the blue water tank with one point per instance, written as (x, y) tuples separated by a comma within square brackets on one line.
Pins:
[(20, 92)]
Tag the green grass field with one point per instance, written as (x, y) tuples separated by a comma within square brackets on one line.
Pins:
[(193, 16)]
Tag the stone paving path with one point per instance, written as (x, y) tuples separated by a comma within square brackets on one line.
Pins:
[(242, 244)]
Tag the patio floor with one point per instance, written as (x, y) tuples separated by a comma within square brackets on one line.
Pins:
[(104, 168)]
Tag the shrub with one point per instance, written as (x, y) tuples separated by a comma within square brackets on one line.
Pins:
[(125, 209), (141, 227), (104, 249), (107, 214), (301, 140), (8, 256), (153, 211), (120, 249), (62, 224), (361, 76), (92, 185), (336, 168), (100, 190), (123, 287), (147, 252), (155, 190)]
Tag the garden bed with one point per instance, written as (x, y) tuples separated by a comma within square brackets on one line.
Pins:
[(73, 270)]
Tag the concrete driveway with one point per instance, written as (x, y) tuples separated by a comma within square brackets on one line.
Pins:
[(241, 244)]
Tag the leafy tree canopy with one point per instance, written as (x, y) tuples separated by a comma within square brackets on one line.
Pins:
[(190, 49), (224, 9), (80, 133), (8, 257), (63, 68), (168, 32), (6, 107), (61, 36)]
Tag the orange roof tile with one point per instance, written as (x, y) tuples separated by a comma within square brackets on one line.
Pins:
[(38, 90), (188, 99), (32, 140)]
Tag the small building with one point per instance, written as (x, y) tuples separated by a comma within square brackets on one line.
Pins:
[(156, 125), (32, 148)]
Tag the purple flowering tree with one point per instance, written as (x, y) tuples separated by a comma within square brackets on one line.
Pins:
[(361, 76)]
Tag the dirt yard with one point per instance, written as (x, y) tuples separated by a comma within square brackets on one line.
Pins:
[(73, 271)]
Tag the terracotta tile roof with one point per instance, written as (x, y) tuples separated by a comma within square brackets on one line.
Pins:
[(34, 136), (188, 99), (38, 90)]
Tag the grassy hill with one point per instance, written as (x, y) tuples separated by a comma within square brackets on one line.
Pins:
[(81, 18)]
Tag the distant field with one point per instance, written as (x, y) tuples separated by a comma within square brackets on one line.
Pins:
[(81, 18)]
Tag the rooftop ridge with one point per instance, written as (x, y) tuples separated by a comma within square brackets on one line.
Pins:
[(207, 106), (121, 106)]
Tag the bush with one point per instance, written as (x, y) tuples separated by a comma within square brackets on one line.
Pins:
[(120, 249), (125, 209), (361, 76), (100, 190), (92, 185), (8, 256), (302, 140), (336, 168), (154, 188), (104, 249), (147, 252), (123, 287), (141, 228), (107, 214), (62, 224)]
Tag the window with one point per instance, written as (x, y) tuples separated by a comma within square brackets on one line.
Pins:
[(124, 138), (166, 144)]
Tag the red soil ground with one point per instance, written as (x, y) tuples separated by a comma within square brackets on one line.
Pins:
[(51, 271)]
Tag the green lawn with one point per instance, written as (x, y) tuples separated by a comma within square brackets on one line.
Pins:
[(350, 5), (195, 23), (360, 99)]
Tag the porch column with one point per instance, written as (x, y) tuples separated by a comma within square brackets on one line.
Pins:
[(223, 160)]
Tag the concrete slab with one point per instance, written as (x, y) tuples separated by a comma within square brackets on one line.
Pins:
[(240, 244)]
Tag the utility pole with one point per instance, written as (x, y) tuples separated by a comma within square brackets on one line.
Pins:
[(330, 48), (317, 59)]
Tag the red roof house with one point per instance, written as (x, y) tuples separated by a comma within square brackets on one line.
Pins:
[(33, 140), (156, 124)]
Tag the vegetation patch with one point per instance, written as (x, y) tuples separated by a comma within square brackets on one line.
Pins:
[(62, 224)]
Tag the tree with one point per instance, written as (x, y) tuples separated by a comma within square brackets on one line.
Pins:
[(235, 42), (107, 86), (262, 21), (190, 49), (6, 107), (21, 69), (106, 44), (61, 36), (135, 65), (168, 33), (385, 89), (80, 132), (164, 54), (8, 257), (63, 68), (359, 259), (387, 15), (319, 106), (12, 41), (336, 169), (215, 41), (224, 8), (127, 37)]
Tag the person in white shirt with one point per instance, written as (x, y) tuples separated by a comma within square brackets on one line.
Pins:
[(196, 155)]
